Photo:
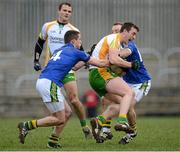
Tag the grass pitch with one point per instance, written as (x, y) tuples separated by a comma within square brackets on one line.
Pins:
[(154, 134)]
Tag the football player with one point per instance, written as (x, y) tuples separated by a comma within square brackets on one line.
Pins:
[(53, 34), (51, 80), (107, 83), (139, 80)]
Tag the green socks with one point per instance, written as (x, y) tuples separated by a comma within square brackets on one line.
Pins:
[(31, 124), (83, 123)]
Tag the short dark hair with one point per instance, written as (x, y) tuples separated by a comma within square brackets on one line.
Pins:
[(70, 35), (64, 3), (118, 23), (136, 27), (127, 26)]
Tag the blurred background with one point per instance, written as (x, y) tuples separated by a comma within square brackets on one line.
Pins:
[(158, 41)]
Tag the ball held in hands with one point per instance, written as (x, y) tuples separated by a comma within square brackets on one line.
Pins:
[(117, 70)]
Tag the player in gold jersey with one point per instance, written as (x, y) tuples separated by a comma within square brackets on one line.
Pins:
[(107, 84)]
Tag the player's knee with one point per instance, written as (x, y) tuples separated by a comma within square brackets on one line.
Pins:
[(113, 108), (68, 114), (104, 101), (74, 100), (60, 121), (77, 104), (73, 97)]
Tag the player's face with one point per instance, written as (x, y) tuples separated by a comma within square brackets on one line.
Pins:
[(131, 35), (65, 13), (116, 28), (78, 42)]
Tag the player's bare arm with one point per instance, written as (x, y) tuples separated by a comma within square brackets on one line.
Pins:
[(123, 53), (79, 65), (116, 60), (99, 63)]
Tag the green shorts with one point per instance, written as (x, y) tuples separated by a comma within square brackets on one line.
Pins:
[(69, 77), (98, 80)]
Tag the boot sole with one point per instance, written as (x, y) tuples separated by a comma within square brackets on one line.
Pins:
[(121, 128), (94, 127), (21, 137)]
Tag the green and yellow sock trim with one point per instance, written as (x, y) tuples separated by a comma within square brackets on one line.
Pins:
[(101, 120), (107, 124), (53, 139), (133, 126), (31, 124), (122, 118)]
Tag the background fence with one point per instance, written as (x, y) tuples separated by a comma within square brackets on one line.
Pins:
[(158, 39)]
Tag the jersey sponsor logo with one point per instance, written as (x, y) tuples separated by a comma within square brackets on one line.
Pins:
[(56, 39), (52, 31)]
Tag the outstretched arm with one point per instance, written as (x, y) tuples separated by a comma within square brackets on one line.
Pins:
[(99, 63), (79, 65)]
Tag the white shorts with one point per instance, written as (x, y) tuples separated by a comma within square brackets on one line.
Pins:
[(51, 95), (140, 89)]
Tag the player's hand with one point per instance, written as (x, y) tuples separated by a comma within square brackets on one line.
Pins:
[(86, 66), (135, 65), (37, 66)]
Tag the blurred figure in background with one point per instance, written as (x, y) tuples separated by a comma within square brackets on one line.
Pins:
[(91, 101)]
